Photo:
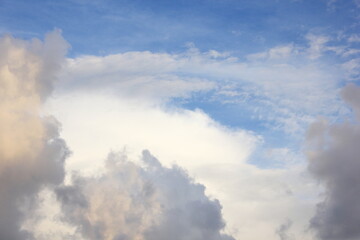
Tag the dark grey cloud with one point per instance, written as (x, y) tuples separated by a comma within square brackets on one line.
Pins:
[(31, 152), (20, 183), (334, 159), (142, 202), (283, 231), (351, 94)]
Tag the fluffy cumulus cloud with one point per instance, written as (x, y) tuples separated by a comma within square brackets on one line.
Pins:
[(31, 152), (143, 201), (334, 161)]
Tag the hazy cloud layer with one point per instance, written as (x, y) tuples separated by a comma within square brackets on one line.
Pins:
[(335, 162), (144, 201), (31, 152)]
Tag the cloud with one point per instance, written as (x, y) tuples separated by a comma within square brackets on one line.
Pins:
[(354, 38), (31, 152), (351, 94), (149, 202), (131, 116), (217, 156), (32, 158), (135, 75), (317, 44), (334, 161), (173, 134), (282, 231), (280, 75), (351, 69), (278, 52)]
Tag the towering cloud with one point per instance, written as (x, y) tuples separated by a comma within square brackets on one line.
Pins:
[(335, 162), (144, 201), (31, 152)]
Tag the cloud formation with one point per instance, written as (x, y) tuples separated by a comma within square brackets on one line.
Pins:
[(334, 161), (279, 75), (144, 201), (215, 154), (128, 202), (283, 230), (31, 152)]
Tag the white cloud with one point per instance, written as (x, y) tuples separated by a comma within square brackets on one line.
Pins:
[(276, 82), (122, 100), (354, 38), (317, 45), (351, 69), (108, 103), (133, 75), (166, 132), (94, 124), (279, 52)]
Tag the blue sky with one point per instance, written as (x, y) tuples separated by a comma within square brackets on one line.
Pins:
[(241, 94), (237, 26)]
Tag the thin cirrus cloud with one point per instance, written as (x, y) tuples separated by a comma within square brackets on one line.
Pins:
[(274, 80)]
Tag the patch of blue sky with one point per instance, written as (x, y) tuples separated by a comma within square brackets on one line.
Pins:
[(238, 112), (103, 27), (233, 115), (277, 149)]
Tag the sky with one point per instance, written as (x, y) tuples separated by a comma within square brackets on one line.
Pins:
[(181, 120)]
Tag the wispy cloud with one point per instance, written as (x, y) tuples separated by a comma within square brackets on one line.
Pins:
[(276, 79)]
